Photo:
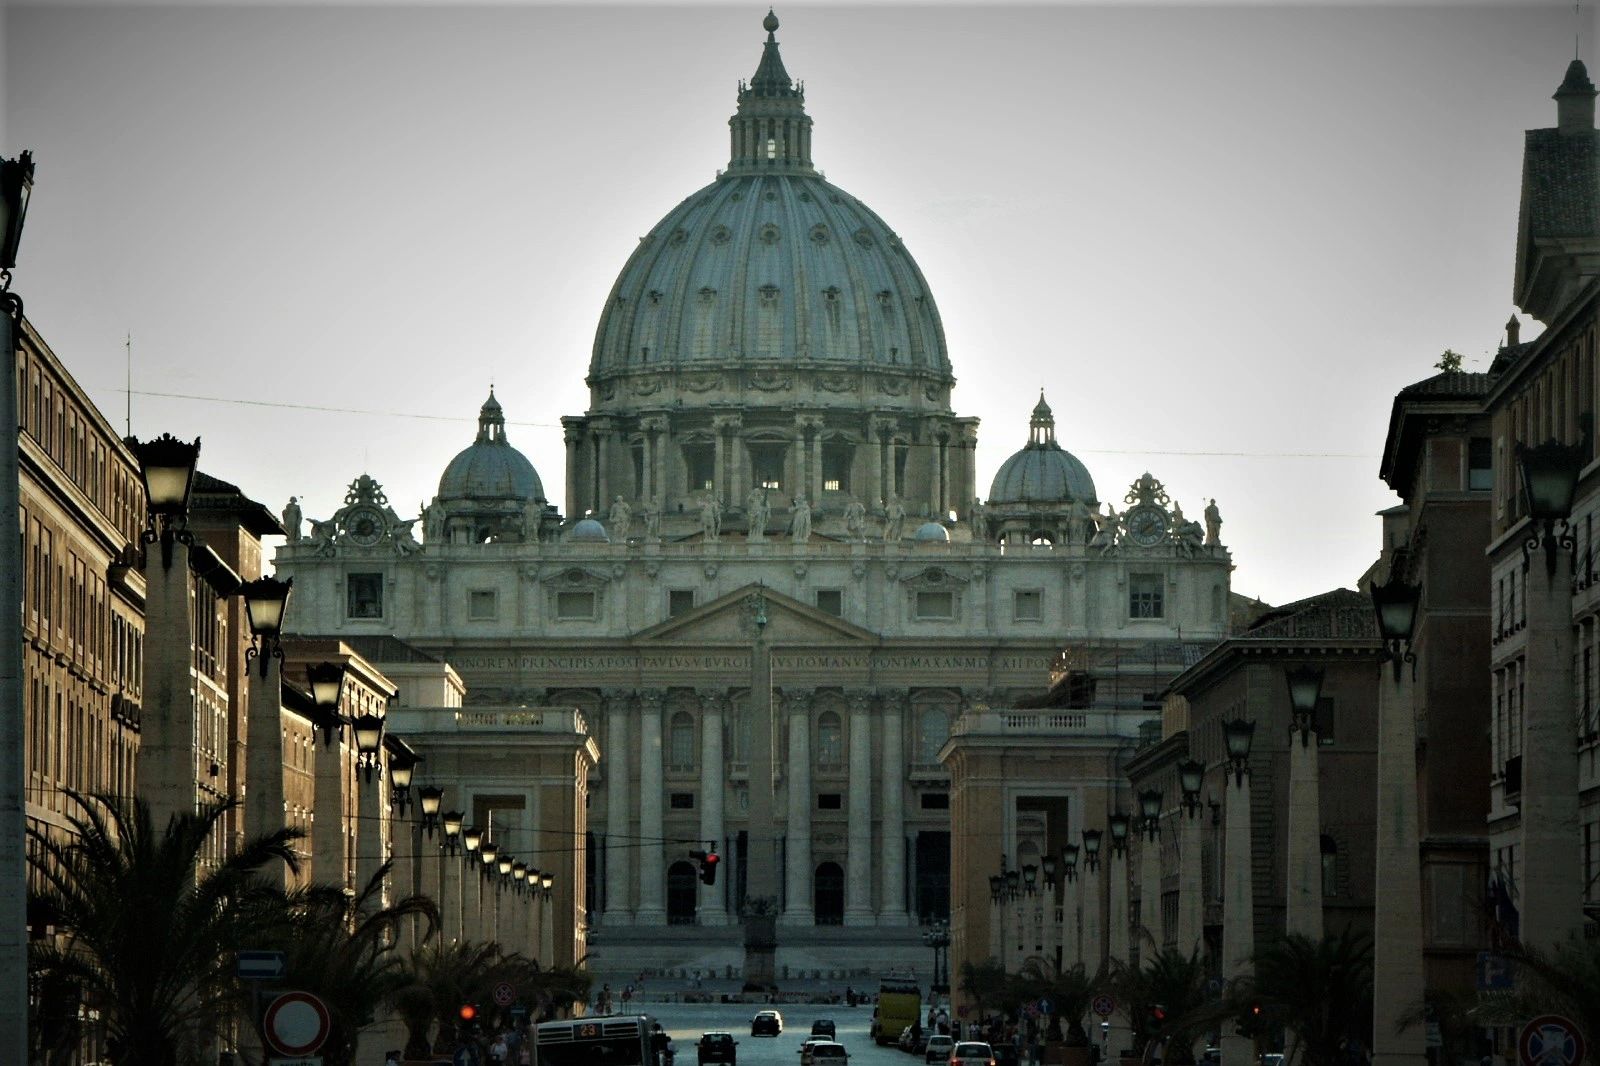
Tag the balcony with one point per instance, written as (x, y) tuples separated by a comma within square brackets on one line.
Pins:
[(1052, 722)]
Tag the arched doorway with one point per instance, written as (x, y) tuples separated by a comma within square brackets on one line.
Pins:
[(829, 887), (682, 880)]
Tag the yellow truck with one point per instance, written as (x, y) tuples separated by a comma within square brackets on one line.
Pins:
[(899, 1005)]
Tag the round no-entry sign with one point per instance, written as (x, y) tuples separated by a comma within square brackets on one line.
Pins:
[(1550, 1040), (1104, 1005), (296, 1023), (504, 994)]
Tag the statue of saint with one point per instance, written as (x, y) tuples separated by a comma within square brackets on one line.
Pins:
[(978, 519), (433, 523), (759, 512), (1213, 524), (1109, 529), (291, 519), (894, 520), (711, 517), (855, 519), (800, 521), (652, 525), (621, 518), (405, 542), (1080, 523)]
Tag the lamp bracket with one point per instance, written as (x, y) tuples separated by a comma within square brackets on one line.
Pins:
[(266, 650)]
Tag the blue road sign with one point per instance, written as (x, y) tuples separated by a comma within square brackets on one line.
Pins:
[(466, 1055), (1494, 972), (1044, 1006), (258, 965)]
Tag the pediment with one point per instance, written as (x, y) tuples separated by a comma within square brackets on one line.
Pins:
[(726, 620)]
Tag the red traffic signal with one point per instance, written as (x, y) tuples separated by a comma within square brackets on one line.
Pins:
[(708, 865), (467, 1012)]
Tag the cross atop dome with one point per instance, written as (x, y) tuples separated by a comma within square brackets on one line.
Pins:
[(771, 131)]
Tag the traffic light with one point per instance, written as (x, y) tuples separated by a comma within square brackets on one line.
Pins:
[(468, 1012), (1249, 1022), (1155, 1018), (708, 865)]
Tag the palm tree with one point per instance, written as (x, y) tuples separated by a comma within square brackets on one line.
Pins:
[(1172, 985), (1319, 990), (1069, 992), (343, 949), (1565, 981), (441, 978), (146, 934), (984, 982)]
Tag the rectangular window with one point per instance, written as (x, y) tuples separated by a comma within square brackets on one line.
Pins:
[(700, 462), (679, 601), (831, 601), (482, 605), (1323, 722), (364, 596), (1145, 596), (936, 801), (766, 465), (936, 605), (1027, 605), (1480, 465), (830, 801), (575, 605), (682, 801), (837, 457)]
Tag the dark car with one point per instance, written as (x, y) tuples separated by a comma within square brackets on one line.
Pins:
[(824, 1027), (766, 1023), (1005, 1054), (718, 1047)]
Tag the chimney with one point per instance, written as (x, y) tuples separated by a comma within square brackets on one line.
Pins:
[(1575, 100), (1513, 331)]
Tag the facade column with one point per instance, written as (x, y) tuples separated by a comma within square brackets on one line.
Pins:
[(572, 437), (661, 437), (874, 466), (602, 467), (1150, 886), (329, 846), (892, 893), (619, 887), (450, 895), (1397, 968), (858, 857), (1303, 914), (647, 487), (1238, 903), (1071, 932), (1191, 899), (372, 827), (719, 463), (652, 873), (165, 761), (1551, 896), (739, 458), (711, 910), (816, 463), (430, 880), (1093, 943), (797, 861), (794, 460), (263, 812), (945, 503)]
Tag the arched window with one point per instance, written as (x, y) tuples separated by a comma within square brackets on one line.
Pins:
[(933, 729), (830, 739), (828, 899), (680, 745), (1330, 867), (682, 889)]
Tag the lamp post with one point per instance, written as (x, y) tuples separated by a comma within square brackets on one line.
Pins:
[(1094, 945), (1071, 931), (937, 937), (1397, 968), (1238, 901), (1551, 896), (1191, 898), (1303, 913), (327, 693), (429, 799), (16, 184), (547, 929), (402, 768), (471, 885), (450, 874), (266, 602), (1119, 1034), (369, 738), (1150, 863), (166, 466)]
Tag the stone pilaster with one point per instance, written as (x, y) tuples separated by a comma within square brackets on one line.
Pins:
[(329, 844), (1397, 970), (372, 823), (1093, 950), (619, 885), (652, 872), (1238, 905), (1071, 928), (1191, 897), (166, 758), (797, 902), (858, 860), (892, 901), (263, 810), (711, 910), (1303, 913), (1150, 888), (1118, 926)]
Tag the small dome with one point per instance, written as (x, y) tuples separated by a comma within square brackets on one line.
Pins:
[(931, 533), (1043, 471), (490, 468), (589, 531)]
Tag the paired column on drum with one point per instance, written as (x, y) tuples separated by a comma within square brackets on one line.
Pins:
[(858, 859), (619, 887), (892, 902), (797, 892), (711, 910), (652, 874)]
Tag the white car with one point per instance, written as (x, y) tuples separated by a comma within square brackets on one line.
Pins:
[(938, 1049), (972, 1053), (828, 1053)]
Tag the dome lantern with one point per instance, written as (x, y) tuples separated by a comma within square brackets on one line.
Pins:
[(1042, 426), (771, 131)]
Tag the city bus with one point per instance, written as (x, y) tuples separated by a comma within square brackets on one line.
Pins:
[(899, 1006), (608, 1041)]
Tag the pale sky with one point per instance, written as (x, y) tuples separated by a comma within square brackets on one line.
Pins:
[(1220, 238)]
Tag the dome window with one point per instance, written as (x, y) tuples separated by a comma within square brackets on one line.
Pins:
[(770, 234), (719, 235), (819, 234), (700, 461), (772, 148), (837, 457), (766, 464), (769, 294)]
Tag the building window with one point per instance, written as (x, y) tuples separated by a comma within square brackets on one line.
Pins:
[(836, 459), (482, 604), (1027, 605), (682, 801), (1330, 867), (830, 801), (830, 739), (680, 742), (933, 729), (679, 601), (1145, 596), (1322, 721), (700, 460), (831, 601), (766, 465), (1480, 465), (364, 596), (772, 148), (936, 605), (936, 801), (575, 605)]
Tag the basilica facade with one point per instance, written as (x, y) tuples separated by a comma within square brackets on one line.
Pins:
[(769, 421)]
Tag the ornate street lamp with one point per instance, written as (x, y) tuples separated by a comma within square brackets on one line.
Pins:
[(1069, 862), (1118, 823), (937, 937), (369, 738), (327, 692), (470, 839), (451, 823), (504, 864), (1236, 737), (430, 799), (1150, 813), (519, 877), (16, 186), (1092, 839), (1013, 884), (1395, 602), (1048, 861), (1030, 878), (402, 767), (487, 852), (1191, 775), (996, 885), (1305, 691), (265, 601), (1549, 482), (166, 466), (546, 882)]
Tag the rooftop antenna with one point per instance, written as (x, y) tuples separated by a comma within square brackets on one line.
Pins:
[(127, 426)]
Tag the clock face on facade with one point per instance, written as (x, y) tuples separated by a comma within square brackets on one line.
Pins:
[(364, 526), (1147, 525)]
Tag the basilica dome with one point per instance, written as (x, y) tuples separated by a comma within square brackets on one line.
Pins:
[(1042, 471), (770, 266), (490, 468)]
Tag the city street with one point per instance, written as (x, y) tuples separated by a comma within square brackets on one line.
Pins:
[(686, 1021)]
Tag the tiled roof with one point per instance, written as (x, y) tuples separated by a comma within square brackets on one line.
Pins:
[(386, 649), (1342, 614), (1561, 184), (1507, 356), (1450, 383)]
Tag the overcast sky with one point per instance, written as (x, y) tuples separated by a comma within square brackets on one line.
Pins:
[(1220, 238)]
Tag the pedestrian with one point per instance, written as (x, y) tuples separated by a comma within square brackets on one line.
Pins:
[(498, 1050), (391, 1058)]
